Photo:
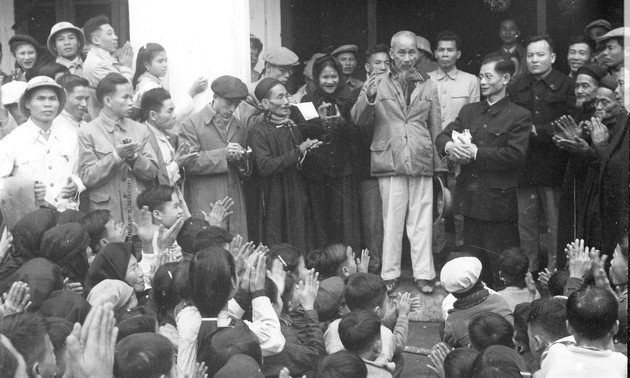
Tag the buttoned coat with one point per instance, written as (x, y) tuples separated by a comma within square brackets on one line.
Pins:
[(403, 141), (486, 187)]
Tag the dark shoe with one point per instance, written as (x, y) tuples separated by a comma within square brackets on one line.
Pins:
[(391, 285), (424, 286)]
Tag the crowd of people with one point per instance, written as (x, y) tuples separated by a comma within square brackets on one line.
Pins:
[(262, 236)]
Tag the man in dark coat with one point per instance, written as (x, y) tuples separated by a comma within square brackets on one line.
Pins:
[(486, 186)]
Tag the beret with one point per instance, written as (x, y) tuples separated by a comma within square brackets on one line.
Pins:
[(23, 38), (229, 87), (264, 86), (460, 274), (601, 22), (615, 33), (39, 82), (593, 70), (280, 56), (345, 48), (60, 26), (609, 82)]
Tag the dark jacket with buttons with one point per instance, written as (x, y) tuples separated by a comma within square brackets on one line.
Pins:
[(547, 99), (486, 187)]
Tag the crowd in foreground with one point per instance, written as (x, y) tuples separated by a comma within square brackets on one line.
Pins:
[(263, 235)]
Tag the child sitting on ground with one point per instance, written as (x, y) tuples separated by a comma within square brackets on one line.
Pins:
[(519, 286)]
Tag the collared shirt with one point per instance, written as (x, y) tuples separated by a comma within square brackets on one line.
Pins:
[(184, 106), (75, 66), (69, 121), (455, 89), (99, 62), (353, 83), (167, 151), (49, 157)]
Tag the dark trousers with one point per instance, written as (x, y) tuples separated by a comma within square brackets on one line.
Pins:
[(491, 238)]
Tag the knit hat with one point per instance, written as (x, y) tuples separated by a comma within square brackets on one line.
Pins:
[(460, 274), (264, 86)]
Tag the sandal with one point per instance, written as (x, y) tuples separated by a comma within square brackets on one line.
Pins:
[(391, 285), (424, 286)]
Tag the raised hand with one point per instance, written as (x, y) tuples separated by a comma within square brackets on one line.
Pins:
[(599, 132), (437, 356), (364, 262), (185, 156), (278, 276), (308, 290), (598, 262), (531, 286), (579, 261), (144, 228), (17, 300), (199, 85), (258, 274), (403, 304), (201, 371), (241, 257), (5, 242), (166, 238)]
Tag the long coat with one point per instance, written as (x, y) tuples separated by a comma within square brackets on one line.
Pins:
[(212, 178), (486, 187)]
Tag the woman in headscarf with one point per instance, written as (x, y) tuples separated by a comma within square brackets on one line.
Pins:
[(331, 183), (116, 292), (27, 235), (42, 277), (66, 246), (65, 304), (117, 262)]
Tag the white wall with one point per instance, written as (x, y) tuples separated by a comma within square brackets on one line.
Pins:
[(264, 23), (7, 20), (202, 38)]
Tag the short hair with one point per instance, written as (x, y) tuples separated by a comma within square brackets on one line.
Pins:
[(48, 70), (328, 260), (449, 35), (582, 38), (459, 362), (93, 25), (405, 33), (70, 81), (342, 364), (211, 272), (186, 235), (364, 291), (521, 313), (216, 348), (212, 237), (155, 197), (503, 65), (153, 100), (143, 355), (108, 85), (94, 223), (550, 316), (499, 361), (58, 330), (592, 312), (513, 264), (378, 48), (27, 332), (359, 330), (256, 43), (557, 282), (490, 328), (542, 37)]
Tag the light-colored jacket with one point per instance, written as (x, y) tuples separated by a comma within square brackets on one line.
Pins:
[(404, 136)]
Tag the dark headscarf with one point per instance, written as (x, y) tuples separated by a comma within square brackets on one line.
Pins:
[(110, 263), (65, 245), (139, 324), (42, 276), (65, 304), (342, 96)]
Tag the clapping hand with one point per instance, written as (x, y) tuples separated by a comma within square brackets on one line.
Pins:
[(127, 149), (364, 262), (598, 262), (166, 238), (567, 128), (437, 356), (307, 290), (185, 155), (199, 85), (278, 275), (220, 212), (17, 300), (403, 304), (201, 371), (124, 55), (599, 132), (5, 243), (144, 229), (579, 260)]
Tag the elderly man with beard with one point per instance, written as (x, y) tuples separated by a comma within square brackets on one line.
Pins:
[(403, 105)]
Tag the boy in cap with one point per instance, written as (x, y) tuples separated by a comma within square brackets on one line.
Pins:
[(41, 150), (346, 57), (66, 42), (460, 277), (220, 138)]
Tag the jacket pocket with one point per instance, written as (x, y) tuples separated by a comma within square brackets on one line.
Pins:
[(99, 197), (382, 157)]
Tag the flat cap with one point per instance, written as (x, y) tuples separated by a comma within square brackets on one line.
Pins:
[(593, 70), (229, 87), (264, 86), (601, 22), (345, 48), (12, 91), (280, 56), (423, 44), (460, 274), (60, 26), (615, 33), (42, 82), (609, 82)]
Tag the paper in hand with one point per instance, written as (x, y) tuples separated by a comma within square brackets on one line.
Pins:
[(307, 109)]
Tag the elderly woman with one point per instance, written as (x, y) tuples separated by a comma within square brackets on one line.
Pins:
[(331, 183), (117, 262), (29, 55)]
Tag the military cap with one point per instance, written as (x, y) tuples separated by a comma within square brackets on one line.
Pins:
[(60, 26), (345, 48), (229, 87), (601, 22), (593, 70), (609, 82), (264, 86), (615, 33), (281, 56), (41, 82), (423, 44)]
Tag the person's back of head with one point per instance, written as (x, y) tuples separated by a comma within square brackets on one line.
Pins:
[(592, 314), (28, 334), (211, 272), (459, 362), (212, 237), (521, 313), (557, 282), (217, 348), (365, 291), (332, 260), (164, 291), (546, 323), (499, 361), (488, 329), (360, 332), (94, 223), (186, 235), (513, 267), (144, 355), (136, 325), (342, 364)]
